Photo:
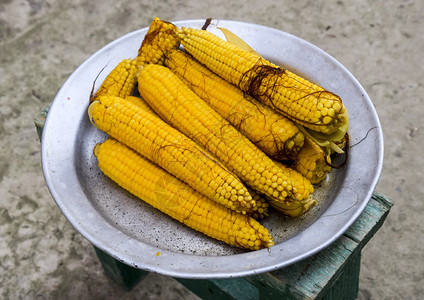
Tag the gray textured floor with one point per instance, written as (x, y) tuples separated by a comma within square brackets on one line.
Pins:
[(42, 42)]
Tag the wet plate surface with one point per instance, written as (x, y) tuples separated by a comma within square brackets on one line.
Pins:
[(133, 232)]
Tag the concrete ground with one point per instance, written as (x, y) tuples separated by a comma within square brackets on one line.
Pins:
[(42, 42)]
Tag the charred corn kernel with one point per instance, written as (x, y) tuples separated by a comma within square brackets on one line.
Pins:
[(120, 82), (295, 208), (281, 89), (182, 108), (274, 134), (167, 147), (160, 38), (311, 162), (175, 198)]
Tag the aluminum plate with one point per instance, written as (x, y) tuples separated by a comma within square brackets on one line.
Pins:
[(138, 235)]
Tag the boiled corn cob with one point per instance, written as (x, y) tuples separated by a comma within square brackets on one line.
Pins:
[(303, 186), (260, 211), (141, 104), (296, 207), (311, 162), (178, 105), (274, 134), (160, 38), (178, 200), (120, 82), (170, 149), (295, 97)]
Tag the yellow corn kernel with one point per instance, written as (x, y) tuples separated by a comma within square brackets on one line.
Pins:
[(281, 89), (141, 103), (167, 147), (261, 209), (160, 38), (175, 198), (120, 82), (274, 134), (303, 187), (311, 162), (179, 106)]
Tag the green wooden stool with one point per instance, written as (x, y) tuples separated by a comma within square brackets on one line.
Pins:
[(332, 273)]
